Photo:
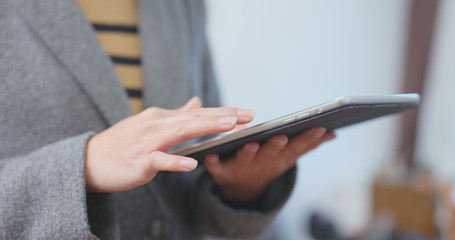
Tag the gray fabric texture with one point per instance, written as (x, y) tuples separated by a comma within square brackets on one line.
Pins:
[(58, 88)]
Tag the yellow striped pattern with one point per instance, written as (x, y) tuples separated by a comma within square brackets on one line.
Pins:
[(121, 13)]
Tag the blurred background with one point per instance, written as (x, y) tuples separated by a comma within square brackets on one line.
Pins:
[(389, 178)]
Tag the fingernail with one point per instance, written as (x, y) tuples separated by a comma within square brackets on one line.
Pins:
[(253, 147), (211, 157), (281, 140), (189, 164), (227, 121), (318, 132), (246, 114)]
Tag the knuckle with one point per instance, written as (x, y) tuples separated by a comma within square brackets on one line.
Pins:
[(160, 146), (195, 113), (161, 162), (277, 145), (208, 125), (147, 172), (153, 157), (229, 111), (181, 129), (294, 152), (151, 111)]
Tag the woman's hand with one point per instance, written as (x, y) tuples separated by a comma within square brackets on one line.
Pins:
[(245, 176), (131, 152)]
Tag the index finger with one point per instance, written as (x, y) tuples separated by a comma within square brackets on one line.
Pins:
[(200, 122)]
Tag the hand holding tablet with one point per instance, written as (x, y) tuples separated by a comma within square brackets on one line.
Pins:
[(340, 112)]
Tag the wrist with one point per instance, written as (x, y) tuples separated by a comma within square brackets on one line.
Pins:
[(239, 195), (93, 182), (88, 176)]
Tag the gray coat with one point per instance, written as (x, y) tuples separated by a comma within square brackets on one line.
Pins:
[(58, 88)]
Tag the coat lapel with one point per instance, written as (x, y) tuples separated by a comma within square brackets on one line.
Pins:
[(64, 30), (165, 39)]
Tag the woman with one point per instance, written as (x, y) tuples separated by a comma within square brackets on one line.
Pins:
[(76, 164)]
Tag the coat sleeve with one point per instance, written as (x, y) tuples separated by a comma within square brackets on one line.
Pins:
[(43, 196), (217, 218)]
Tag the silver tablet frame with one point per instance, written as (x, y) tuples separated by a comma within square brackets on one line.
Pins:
[(411, 99)]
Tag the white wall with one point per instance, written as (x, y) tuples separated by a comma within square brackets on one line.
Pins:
[(281, 56), (436, 141)]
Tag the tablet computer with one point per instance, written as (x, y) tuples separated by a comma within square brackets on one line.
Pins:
[(337, 113)]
